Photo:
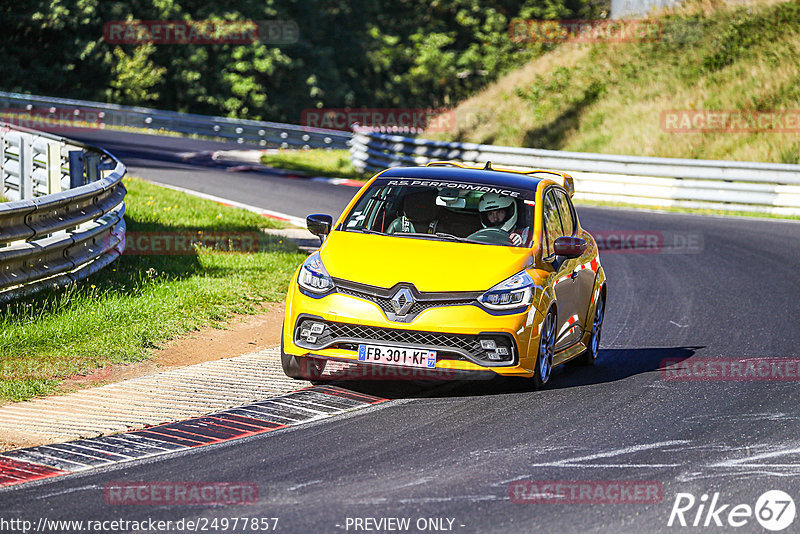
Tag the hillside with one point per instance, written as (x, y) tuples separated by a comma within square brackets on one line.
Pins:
[(615, 97)]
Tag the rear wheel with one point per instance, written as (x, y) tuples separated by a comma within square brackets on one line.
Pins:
[(301, 368), (589, 356), (544, 358)]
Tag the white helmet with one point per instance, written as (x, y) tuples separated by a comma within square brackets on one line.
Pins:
[(493, 201)]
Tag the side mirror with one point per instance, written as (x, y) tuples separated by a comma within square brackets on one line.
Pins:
[(319, 225), (569, 247)]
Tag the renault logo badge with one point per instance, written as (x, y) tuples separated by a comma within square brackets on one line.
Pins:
[(402, 301)]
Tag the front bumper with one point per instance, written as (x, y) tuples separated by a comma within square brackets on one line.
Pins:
[(454, 331)]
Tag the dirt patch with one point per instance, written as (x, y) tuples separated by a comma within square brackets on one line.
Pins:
[(242, 335)]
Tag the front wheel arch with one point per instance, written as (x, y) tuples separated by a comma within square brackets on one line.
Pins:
[(545, 348)]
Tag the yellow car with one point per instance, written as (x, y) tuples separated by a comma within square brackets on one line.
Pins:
[(449, 269)]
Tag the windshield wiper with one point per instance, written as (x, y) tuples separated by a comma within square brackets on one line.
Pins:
[(418, 234), (451, 237), (456, 238), (367, 231), (439, 235)]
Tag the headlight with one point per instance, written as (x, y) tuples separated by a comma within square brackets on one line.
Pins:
[(313, 276), (515, 292)]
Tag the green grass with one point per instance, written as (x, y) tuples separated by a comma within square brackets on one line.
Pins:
[(610, 97), (140, 301), (316, 162)]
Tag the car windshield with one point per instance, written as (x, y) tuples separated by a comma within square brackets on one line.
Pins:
[(470, 213)]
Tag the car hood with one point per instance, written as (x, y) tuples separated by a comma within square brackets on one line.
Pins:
[(431, 265)]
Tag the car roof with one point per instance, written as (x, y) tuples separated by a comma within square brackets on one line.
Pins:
[(458, 174)]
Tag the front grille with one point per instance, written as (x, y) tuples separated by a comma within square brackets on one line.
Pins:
[(449, 346), (375, 334), (382, 297), (385, 303)]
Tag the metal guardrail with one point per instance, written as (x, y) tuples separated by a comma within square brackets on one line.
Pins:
[(99, 115), (49, 236), (638, 8), (727, 185)]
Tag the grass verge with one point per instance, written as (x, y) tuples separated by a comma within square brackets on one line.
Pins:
[(319, 162), (124, 312)]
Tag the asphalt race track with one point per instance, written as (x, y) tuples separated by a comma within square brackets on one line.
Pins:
[(160, 159), (452, 451)]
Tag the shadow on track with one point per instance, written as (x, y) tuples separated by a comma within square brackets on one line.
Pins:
[(611, 365)]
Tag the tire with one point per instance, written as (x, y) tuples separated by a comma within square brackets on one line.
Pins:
[(544, 356), (589, 356), (301, 368)]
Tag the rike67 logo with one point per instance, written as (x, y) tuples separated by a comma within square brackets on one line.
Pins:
[(774, 510)]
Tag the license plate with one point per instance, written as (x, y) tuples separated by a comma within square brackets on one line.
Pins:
[(397, 356)]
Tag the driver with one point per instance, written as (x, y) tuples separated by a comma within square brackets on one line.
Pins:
[(498, 211)]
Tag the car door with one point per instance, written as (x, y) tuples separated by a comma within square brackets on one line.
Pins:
[(582, 274), (564, 287)]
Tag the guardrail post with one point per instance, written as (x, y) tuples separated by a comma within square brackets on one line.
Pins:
[(53, 168), (76, 178), (92, 172), (2, 161), (25, 167)]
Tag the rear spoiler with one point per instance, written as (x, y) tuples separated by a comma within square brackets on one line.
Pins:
[(565, 179)]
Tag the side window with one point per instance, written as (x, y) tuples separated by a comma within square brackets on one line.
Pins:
[(525, 223), (566, 212), (552, 222)]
